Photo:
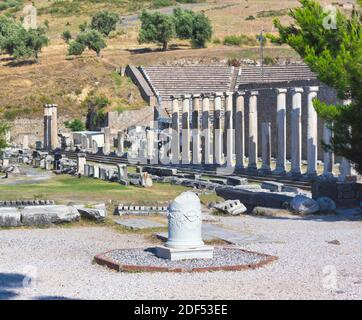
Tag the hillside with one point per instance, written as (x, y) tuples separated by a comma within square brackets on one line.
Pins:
[(69, 82)]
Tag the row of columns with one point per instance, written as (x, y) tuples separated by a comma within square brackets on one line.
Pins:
[(198, 139)]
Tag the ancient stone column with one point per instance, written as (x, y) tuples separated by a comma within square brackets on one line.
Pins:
[(312, 133), (217, 129), (253, 131), (206, 134), (96, 172), (328, 156), (186, 129), (345, 167), (54, 126), (266, 146), (240, 131), (196, 138), (107, 137), (25, 142), (120, 138), (175, 134), (229, 129), (281, 131), (296, 135), (47, 127), (81, 161)]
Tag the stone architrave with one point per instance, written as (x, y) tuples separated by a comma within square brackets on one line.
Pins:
[(312, 133), (296, 135), (240, 130), (217, 129), (184, 230), (186, 129), (281, 131), (253, 131), (196, 139), (266, 146)]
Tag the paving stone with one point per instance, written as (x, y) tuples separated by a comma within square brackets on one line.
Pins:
[(139, 224)]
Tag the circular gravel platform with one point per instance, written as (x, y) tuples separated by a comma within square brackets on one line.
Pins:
[(145, 260)]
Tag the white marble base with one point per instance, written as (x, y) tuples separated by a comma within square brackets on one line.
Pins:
[(173, 254)]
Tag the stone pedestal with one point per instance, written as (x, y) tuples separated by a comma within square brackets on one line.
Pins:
[(253, 131), (240, 131), (184, 230)]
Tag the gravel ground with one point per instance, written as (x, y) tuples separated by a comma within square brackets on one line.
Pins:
[(309, 267), (222, 257)]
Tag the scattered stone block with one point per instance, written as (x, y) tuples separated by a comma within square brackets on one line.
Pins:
[(304, 205), (232, 207), (272, 186), (46, 215), (235, 181), (10, 217), (326, 204)]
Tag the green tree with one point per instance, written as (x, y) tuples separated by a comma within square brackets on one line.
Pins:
[(334, 53), (157, 28), (75, 125), (104, 22), (66, 36), (75, 48), (184, 23), (4, 128)]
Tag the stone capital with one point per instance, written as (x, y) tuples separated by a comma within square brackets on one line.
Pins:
[(254, 93), (229, 93), (186, 96), (297, 90), (241, 93), (281, 90), (196, 96), (218, 94), (313, 89)]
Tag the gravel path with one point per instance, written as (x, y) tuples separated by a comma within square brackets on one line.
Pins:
[(60, 258)]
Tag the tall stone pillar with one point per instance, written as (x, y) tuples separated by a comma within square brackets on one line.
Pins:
[(253, 131), (206, 134), (196, 139), (229, 129), (107, 138), (296, 136), (122, 171), (186, 129), (175, 134), (240, 131), (81, 161), (281, 131), (266, 146), (312, 133), (217, 129), (120, 138), (26, 142), (54, 126), (47, 127), (328, 156)]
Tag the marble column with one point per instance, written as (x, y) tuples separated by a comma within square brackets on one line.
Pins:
[(206, 134), (296, 134), (175, 134), (81, 161), (312, 133), (266, 146), (107, 144), (328, 156), (281, 131), (217, 129), (47, 127), (54, 127), (196, 139), (240, 130), (96, 172), (253, 131), (229, 129), (186, 129), (122, 171), (120, 138)]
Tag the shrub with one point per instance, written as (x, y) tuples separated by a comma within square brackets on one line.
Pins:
[(75, 125), (235, 40)]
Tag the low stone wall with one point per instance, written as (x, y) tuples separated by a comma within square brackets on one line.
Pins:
[(344, 194)]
